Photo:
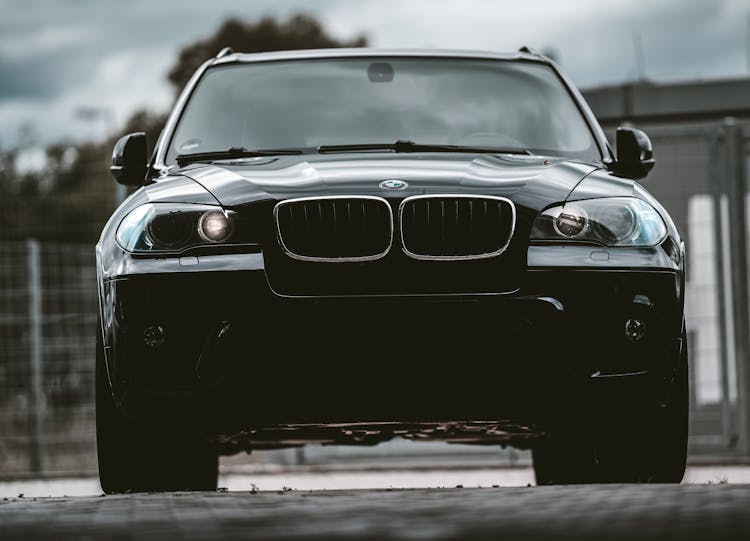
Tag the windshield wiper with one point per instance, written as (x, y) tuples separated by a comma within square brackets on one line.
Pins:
[(231, 154), (411, 146)]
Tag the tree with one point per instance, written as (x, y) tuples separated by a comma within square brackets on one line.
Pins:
[(299, 32), (148, 122)]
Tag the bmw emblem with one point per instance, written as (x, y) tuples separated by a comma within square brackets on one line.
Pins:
[(393, 185)]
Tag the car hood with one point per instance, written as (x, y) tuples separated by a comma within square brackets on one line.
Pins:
[(530, 181)]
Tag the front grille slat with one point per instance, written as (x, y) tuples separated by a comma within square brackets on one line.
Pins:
[(336, 228), (455, 227), (442, 220)]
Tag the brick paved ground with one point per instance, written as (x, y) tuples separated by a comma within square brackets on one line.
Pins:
[(580, 512)]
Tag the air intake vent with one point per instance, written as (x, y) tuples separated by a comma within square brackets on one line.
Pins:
[(456, 227), (335, 229)]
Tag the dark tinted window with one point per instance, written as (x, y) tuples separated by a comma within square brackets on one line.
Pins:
[(308, 103)]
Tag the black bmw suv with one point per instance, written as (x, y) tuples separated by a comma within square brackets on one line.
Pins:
[(349, 246)]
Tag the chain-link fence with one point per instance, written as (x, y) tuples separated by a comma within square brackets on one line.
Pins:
[(48, 309)]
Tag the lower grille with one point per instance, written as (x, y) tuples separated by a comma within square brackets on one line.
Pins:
[(337, 228), (455, 227)]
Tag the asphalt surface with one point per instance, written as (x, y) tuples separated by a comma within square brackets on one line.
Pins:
[(715, 511)]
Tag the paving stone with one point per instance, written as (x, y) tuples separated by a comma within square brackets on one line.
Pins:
[(597, 512)]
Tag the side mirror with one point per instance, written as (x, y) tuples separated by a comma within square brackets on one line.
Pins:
[(635, 154), (130, 159)]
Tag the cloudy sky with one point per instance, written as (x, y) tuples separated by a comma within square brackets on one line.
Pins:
[(57, 56)]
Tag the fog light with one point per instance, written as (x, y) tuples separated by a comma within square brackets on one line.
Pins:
[(153, 336), (635, 330)]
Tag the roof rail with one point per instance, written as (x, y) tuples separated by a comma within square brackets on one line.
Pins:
[(224, 52), (527, 50)]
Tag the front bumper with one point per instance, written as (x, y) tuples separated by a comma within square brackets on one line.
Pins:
[(231, 353)]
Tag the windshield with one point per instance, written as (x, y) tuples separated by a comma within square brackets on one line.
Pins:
[(305, 104)]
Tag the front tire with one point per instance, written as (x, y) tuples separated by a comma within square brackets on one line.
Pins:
[(564, 461), (648, 450), (138, 457)]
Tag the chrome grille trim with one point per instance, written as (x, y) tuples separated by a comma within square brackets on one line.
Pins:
[(344, 259), (484, 255)]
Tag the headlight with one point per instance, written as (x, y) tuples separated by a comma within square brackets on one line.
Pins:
[(160, 228), (613, 221)]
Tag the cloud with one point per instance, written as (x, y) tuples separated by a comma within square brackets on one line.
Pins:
[(57, 55), (594, 37), (118, 85), (45, 41)]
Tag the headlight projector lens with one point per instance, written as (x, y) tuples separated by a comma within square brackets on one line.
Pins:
[(571, 221), (169, 230), (615, 223), (214, 227)]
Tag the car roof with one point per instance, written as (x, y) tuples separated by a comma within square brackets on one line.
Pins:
[(233, 57)]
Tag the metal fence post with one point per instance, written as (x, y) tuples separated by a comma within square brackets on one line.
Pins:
[(721, 189), (736, 192), (35, 356)]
